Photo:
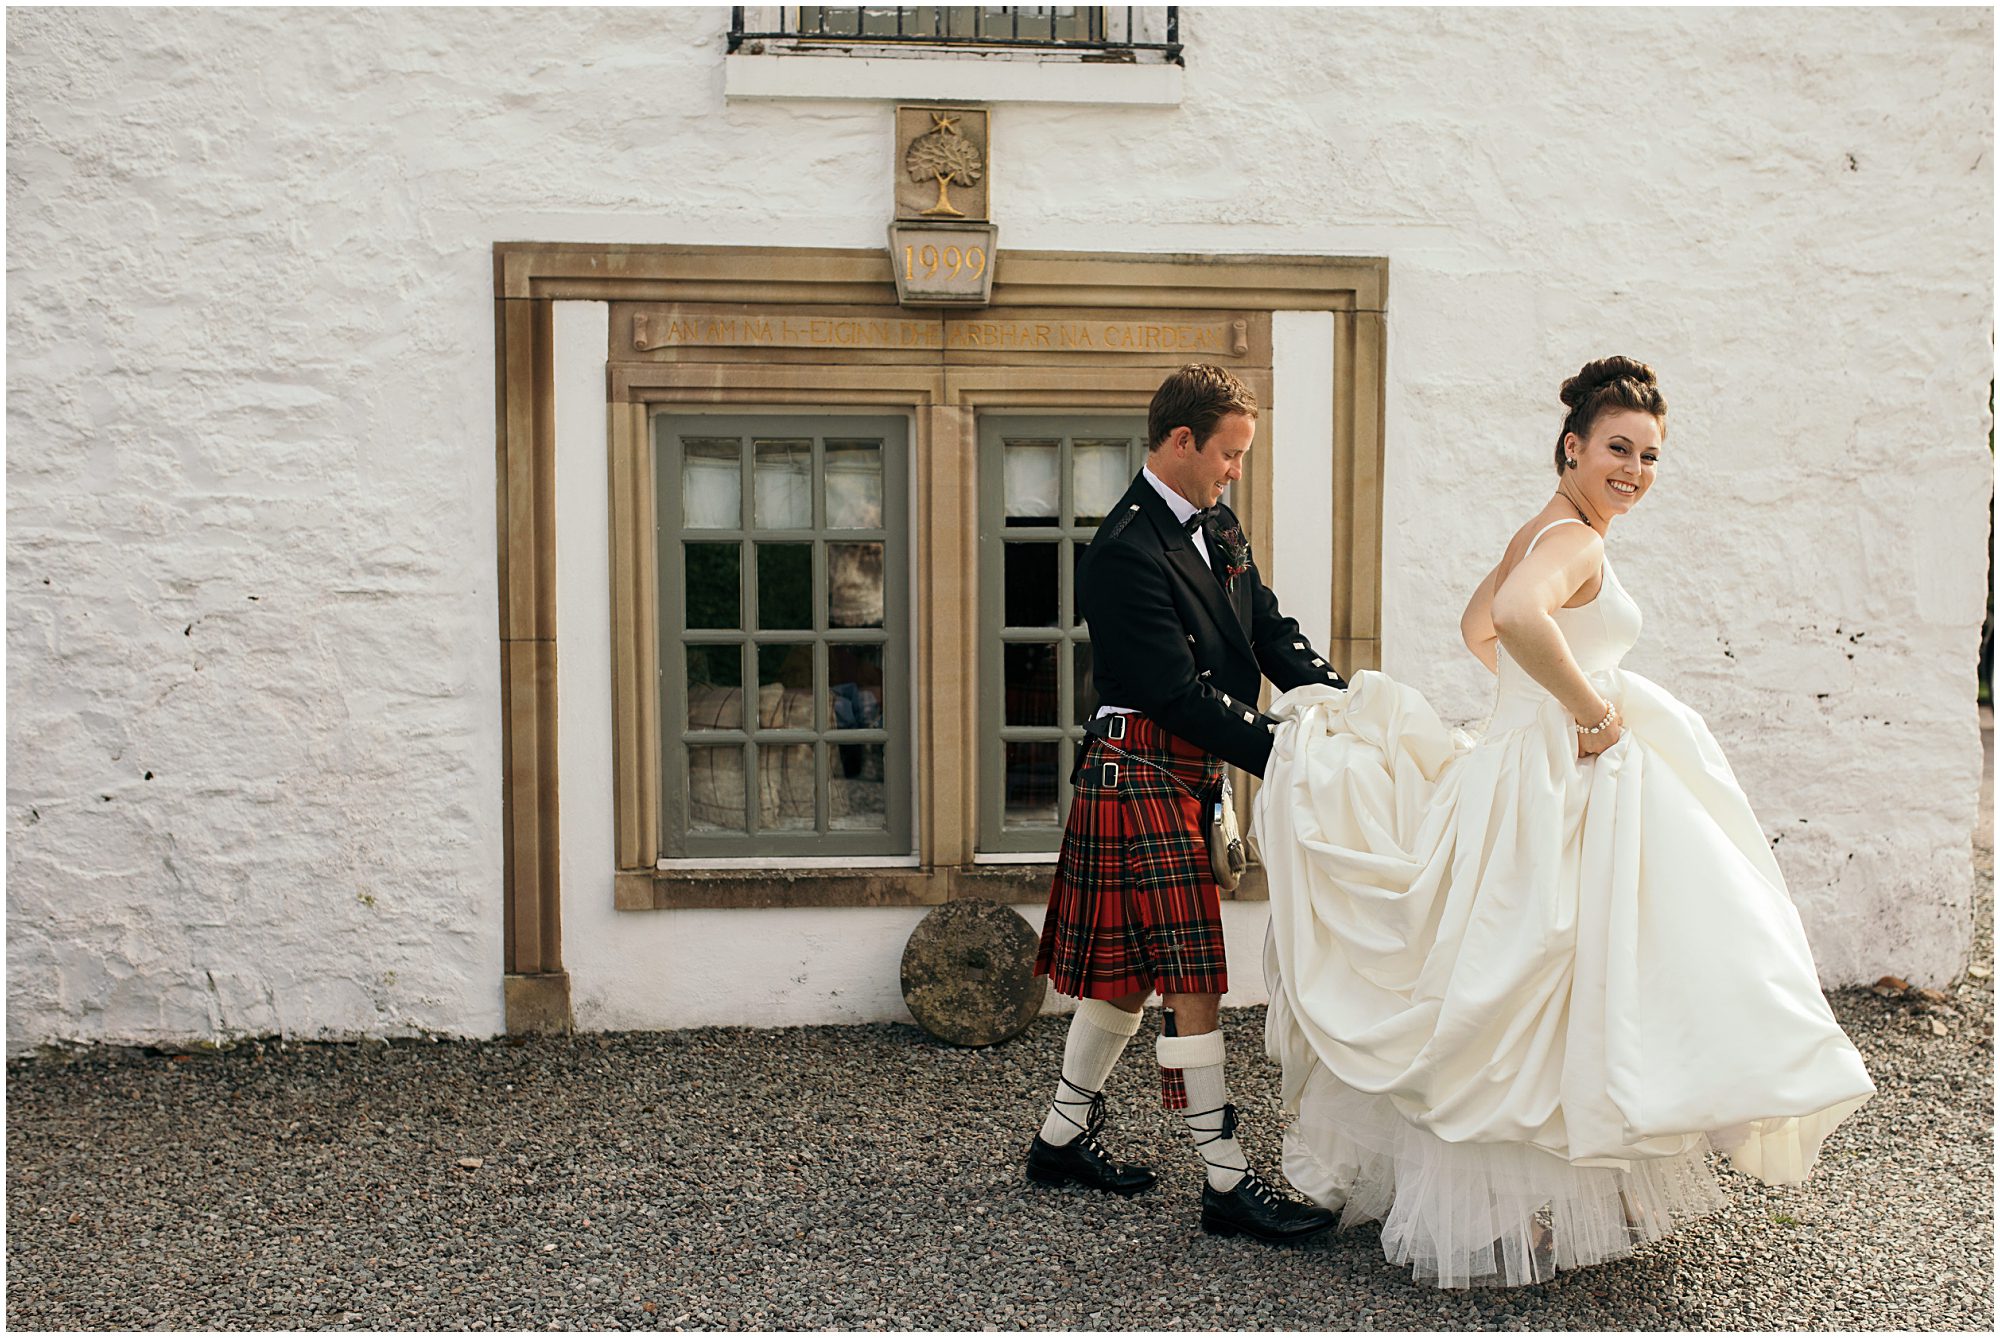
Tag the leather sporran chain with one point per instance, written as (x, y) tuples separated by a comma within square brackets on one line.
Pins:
[(1227, 855)]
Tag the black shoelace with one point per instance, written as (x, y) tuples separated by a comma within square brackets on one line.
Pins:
[(1091, 1123), (1227, 1131)]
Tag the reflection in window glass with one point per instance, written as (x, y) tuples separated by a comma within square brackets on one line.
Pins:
[(858, 793), (716, 797), (1031, 784), (1028, 572), (785, 685), (1030, 684), (1031, 482), (715, 687), (714, 575), (712, 482), (853, 485), (854, 589), (783, 479), (854, 686), (784, 586), (785, 787), (1076, 551)]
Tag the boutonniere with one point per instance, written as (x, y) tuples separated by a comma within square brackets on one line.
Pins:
[(1235, 552)]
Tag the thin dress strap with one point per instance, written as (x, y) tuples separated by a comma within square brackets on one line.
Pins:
[(1566, 520)]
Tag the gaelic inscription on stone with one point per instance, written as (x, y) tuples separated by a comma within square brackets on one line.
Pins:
[(969, 973), (672, 325)]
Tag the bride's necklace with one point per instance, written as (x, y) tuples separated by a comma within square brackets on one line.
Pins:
[(1582, 514)]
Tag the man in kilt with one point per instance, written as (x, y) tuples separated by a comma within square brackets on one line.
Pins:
[(1181, 630)]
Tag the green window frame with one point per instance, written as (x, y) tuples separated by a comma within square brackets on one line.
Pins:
[(1034, 651), (783, 552)]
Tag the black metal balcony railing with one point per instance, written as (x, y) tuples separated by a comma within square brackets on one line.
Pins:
[(1089, 28)]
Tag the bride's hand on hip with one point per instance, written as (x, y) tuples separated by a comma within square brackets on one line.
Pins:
[(1609, 728)]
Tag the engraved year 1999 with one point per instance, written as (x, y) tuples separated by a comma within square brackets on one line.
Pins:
[(969, 260)]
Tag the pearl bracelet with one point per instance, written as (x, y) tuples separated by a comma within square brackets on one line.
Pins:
[(1601, 725)]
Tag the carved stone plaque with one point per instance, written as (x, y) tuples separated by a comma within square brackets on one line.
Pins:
[(944, 264), (941, 164), (969, 973)]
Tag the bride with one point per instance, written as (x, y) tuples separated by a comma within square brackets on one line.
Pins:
[(1519, 989)]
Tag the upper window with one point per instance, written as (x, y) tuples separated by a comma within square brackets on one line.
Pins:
[(784, 649), (1128, 32)]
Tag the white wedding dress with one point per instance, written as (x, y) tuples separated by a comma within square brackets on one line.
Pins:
[(1518, 996)]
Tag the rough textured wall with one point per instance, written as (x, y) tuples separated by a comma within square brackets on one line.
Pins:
[(250, 531)]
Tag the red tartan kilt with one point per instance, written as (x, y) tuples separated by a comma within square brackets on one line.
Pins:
[(1134, 905)]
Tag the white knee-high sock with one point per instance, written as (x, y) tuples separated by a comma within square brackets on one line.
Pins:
[(1097, 1036), (1200, 1061)]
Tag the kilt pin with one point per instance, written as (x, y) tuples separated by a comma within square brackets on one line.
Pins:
[(1133, 905)]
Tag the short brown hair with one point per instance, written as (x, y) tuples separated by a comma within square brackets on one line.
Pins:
[(1601, 387), (1196, 397)]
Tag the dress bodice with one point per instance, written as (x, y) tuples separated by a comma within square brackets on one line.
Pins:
[(1599, 633)]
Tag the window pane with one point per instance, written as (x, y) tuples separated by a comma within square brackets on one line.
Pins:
[(1085, 697), (854, 485), (1029, 574), (854, 686), (854, 585), (785, 787), (1030, 679), (785, 686), (1030, 491), (784, 586), (715, 789), (1031, 784), (858, 798), (712, 482), (1077, 549), (715, 687), (714, 585), (1099, 476), (783, 477)]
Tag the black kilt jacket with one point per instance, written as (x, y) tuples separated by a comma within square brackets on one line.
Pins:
[(1170, 639)]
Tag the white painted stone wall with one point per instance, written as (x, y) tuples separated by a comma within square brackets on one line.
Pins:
[(250, 390)]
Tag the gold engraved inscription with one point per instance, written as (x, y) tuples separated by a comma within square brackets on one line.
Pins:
[(1224, 338)]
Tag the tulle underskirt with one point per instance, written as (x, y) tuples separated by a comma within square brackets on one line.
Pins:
[(1482, 1214)]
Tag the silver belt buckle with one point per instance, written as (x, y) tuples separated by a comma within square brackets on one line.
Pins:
[(1115, 727), (1110, 776)]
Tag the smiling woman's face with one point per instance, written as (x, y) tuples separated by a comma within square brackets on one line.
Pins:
[(1614, 468)]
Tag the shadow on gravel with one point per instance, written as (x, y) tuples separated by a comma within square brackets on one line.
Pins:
[(860, 1177), (869, 1177)]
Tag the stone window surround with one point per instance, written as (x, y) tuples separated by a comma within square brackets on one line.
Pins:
[(943, 391)]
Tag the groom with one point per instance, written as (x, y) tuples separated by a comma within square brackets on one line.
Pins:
[(1182, 628)]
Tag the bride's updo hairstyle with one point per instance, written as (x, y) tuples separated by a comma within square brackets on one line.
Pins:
[(1608, 383)]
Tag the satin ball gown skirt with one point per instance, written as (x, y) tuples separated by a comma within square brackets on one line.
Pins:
[(1516, 996)]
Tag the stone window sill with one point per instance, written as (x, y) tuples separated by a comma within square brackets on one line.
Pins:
[(746, 889), (1009, 78)]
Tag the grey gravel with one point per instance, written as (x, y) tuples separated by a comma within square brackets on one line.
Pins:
[(870, 1178)]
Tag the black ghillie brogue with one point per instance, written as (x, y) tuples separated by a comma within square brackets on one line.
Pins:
[(1253, 1208), (1083, 1160)]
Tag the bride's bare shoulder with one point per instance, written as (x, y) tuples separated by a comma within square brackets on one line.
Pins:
[(1532, 528)]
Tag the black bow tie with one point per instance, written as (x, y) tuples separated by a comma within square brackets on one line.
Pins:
[(1199, 520)]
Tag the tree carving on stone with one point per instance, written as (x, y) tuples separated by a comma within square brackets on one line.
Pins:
[(948, 156)]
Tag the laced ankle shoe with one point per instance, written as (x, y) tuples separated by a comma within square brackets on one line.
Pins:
[(1083, 1160), (1253, 1208)]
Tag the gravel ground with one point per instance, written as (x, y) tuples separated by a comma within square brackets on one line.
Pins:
[(870, 1178)]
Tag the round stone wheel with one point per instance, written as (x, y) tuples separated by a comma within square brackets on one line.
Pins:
[(969, 973)]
